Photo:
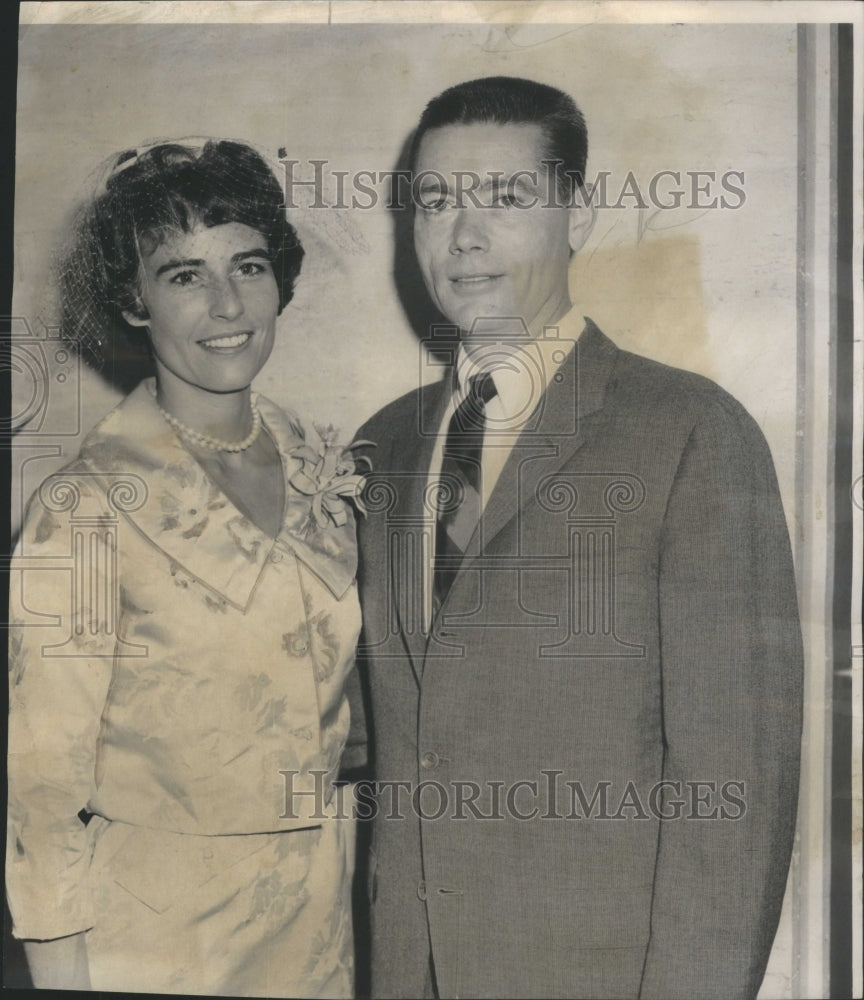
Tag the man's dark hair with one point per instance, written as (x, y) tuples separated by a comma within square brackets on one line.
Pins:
[(511, 100)]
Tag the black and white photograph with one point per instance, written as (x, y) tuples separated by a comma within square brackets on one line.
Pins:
[(434, 465)]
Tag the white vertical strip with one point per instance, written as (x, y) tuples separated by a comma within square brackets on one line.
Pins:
[(815, 503)]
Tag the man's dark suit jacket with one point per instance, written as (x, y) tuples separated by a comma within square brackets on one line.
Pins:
[(629, 642)]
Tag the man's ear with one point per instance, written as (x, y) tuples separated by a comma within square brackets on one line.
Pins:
[(582, 219)]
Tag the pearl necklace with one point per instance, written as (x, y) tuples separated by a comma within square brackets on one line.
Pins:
[(211, 443)]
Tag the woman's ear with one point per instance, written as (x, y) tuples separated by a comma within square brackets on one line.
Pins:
[(137, 315)]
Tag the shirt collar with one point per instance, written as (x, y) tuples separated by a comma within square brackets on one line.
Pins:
[(522, 369)]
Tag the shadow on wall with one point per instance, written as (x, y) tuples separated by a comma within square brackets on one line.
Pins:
[(408, 279)]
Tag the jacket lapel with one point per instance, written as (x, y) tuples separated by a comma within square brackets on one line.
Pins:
[(412, 457), (561, 431), (183, 513)]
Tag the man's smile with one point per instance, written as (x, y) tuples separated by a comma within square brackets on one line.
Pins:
[(474, 280)]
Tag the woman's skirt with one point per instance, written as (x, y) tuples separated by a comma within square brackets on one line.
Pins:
[(260, 915)]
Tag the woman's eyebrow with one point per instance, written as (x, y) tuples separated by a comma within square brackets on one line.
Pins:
[(257, 252), (171, 264), (198, 262)]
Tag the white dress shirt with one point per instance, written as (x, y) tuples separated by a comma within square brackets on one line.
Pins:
[(522, 369)]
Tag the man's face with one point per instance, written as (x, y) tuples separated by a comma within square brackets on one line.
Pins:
[(501, 249)]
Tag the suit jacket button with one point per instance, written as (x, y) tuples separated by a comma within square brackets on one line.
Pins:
[(429, 759), (421, 891)]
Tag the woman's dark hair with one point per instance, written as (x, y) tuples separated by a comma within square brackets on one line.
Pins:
[(149, 195), (512, 100)]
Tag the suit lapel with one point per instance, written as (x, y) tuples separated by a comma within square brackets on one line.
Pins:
[(412, 457), (560, 432), (544, 447)]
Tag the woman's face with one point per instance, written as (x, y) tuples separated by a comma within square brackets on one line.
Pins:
[(211, 302)]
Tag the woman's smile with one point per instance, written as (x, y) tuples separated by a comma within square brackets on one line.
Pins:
[(227, 343)]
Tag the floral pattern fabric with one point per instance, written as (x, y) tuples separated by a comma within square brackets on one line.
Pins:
[(173, 669)]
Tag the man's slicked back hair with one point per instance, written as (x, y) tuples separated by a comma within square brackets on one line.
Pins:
[(511, 100)]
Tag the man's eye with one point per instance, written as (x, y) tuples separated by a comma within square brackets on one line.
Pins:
[(431, 204), (184, 278), (505, 199)]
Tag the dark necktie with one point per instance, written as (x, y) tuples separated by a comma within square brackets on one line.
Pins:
[(459, 494)]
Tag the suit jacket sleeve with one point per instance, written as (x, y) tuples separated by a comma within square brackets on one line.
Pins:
[(732, 685)]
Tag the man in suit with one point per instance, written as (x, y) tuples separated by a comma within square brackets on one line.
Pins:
[(581, 640)]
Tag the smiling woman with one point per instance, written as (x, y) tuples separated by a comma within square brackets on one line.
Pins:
[(149, 842), (209, 296)]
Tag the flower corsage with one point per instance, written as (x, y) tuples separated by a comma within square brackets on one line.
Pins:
[(330, 476)]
